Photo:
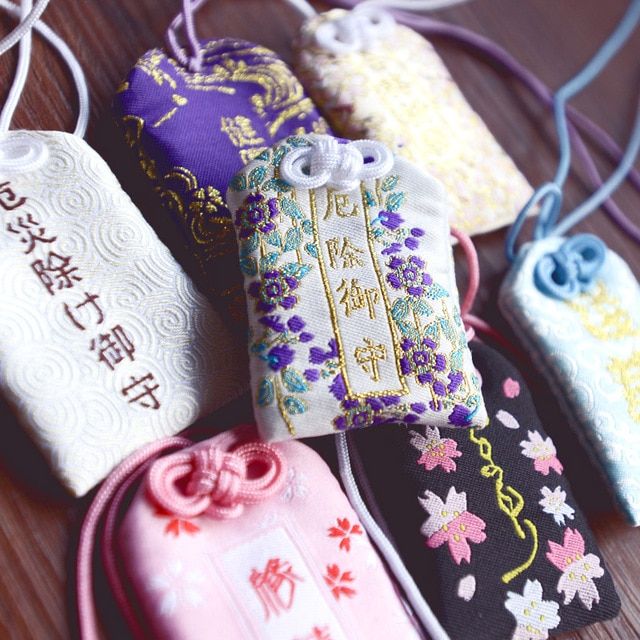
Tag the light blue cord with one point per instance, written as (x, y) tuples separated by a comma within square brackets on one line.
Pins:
[(551, 201), (608, 187)]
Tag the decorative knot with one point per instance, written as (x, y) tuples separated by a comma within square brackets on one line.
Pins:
[(572, 268), (337, 165), (357, 30), (209, 479)]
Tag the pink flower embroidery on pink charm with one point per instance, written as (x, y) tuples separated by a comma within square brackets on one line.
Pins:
[(436, 451), (511, 388), (450, 522), (578, 569), (542, 452)]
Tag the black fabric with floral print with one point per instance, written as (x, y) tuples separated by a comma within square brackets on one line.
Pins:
[(485, 520)]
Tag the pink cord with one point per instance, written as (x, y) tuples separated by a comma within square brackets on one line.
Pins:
[(216, 479), (87, 620), (472, 323)]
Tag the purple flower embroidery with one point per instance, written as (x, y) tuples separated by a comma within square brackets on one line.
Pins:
[(421, 360), (408, 274), (273, 322), (280, 357), (338, 389), (256, 215), (274, 289), (295, 323), (319, 356), (390, 219), (460, 416), (312, 375)]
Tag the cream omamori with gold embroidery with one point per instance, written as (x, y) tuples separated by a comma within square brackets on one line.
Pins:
[(352, 301), (397, 90), (105, 344), (589, 350)]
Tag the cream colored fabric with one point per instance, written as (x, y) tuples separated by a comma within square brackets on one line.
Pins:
[(352, 302), (399, 92), (69, 362)]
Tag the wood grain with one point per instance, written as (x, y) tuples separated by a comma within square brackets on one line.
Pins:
[(38, 522)]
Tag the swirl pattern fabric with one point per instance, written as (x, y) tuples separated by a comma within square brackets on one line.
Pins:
[(397, 90), (192, 131), (352, 301), (486, 521), (588, 348), (105, 344)]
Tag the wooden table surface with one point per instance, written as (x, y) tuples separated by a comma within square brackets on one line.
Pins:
[(38, 522)]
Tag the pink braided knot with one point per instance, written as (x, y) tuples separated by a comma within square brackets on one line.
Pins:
[(211, 479)]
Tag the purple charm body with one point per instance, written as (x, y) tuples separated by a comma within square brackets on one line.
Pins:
[(193, 131)]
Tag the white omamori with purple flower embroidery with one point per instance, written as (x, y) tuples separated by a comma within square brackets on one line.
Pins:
[(352, 301)]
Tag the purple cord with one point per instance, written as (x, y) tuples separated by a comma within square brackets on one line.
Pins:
[(504, 59), (194, 61)]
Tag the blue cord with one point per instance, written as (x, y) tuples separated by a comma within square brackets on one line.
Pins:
[(552, 197), (608, 187)]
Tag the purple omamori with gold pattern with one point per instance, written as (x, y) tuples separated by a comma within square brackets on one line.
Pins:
[(192, 131)]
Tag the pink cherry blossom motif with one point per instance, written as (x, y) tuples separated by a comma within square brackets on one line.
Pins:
[(436, 451), (511, 388), (578, 569), (542, 452), (450, 522)]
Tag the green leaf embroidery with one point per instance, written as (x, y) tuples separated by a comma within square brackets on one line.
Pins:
[(400, 309), (274, 239), (268, 262), (311, 249), (296, 269), (307, 227), (265, 393), (256, 176), (275, 184), (249, 245), (292, 240), (248, 266), (394, 201), (293, 381), (421, 307), (290, 208), (278, 154), (295, 141), (264, 155), (389, 183), (371, 201), (294, 406), (238, 183)]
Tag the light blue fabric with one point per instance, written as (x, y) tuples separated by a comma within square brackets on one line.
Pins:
[(587, 356)]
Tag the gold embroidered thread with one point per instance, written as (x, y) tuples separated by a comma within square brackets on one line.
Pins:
[(333, 315), (510, 502), (282, 408), (356, 298), (626, 371), (369, 355), (603, 316)]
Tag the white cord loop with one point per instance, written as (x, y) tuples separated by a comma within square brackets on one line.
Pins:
[(72, 62), (358, 30), (340, 167)]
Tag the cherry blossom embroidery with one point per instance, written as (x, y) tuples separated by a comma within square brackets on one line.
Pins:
[(554, 503), (450, 522), (507, 419), (177, 525), (338, 581), (467, 587), (178, 586), (542, 452), (436, 451), (511, 388), (295, 486), (534, 616), (345, 530), (578, 570)]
